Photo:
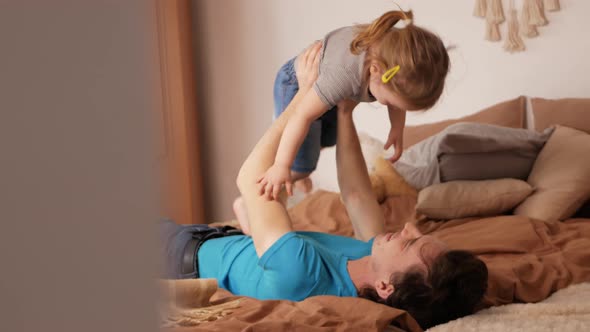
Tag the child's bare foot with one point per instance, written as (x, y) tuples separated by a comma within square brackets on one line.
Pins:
[(242, 215), (304, 185)]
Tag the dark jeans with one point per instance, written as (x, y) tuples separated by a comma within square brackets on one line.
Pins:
[(174, 239)]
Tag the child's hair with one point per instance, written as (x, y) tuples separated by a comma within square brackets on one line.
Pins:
[(421, 55)]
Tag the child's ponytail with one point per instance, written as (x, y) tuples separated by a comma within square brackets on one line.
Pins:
[(374, 32)]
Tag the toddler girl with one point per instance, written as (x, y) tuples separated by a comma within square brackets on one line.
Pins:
[(391, 60)]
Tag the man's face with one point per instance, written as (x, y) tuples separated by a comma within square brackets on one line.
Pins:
[(399, 251)]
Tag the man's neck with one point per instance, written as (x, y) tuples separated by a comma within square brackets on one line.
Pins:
[(360, 272)]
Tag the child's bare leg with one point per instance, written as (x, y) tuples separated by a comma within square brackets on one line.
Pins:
[(301, 181), (242, 215)]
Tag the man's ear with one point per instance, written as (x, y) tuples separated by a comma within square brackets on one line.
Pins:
[(383, 288)]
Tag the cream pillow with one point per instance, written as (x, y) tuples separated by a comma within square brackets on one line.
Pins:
[(561, 176), (461, 199)]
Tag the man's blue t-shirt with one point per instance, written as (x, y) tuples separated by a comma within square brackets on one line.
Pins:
[(296, 266)]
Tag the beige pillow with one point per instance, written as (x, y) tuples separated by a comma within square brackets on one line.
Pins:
[(510, 113), (461, 199), (561, 176), (569, 112)]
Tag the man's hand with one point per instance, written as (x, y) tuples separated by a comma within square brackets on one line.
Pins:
[(272, 181), (346, 106), (397, 120), (307, 65)]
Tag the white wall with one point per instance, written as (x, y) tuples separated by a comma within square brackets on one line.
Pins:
[(241, 44)]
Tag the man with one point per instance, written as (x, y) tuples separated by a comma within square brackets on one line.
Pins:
[(406, 269)]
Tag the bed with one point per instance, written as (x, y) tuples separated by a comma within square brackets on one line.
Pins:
[(539, 267)]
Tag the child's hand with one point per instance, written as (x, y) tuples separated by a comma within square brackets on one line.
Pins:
[(395, 138), (397, 120), (270, 183)]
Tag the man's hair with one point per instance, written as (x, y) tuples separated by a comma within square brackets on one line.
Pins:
[(452, 288)]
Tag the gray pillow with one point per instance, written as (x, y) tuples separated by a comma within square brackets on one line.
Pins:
[(472, 151), (486, 165)]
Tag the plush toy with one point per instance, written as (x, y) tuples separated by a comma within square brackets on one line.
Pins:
[(387, 182)]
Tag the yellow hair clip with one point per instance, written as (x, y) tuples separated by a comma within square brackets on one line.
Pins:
[(388, 75)]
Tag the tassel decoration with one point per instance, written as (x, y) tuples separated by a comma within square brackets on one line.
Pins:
[(552, 5), (528, 29), (480, 8), (532, 16), (513, 42), (494, 12), (492, 32), (536, 12)]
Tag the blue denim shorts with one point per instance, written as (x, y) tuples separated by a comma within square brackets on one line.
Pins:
[(322, 132)]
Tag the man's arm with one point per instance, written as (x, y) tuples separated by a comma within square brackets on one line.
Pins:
[(268, 220), (353, 178)]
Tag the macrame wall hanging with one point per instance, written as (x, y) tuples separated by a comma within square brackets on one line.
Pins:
[(532, 15)]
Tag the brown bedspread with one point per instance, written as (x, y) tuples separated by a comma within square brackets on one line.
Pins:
[(318, 313), (527, 261)]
